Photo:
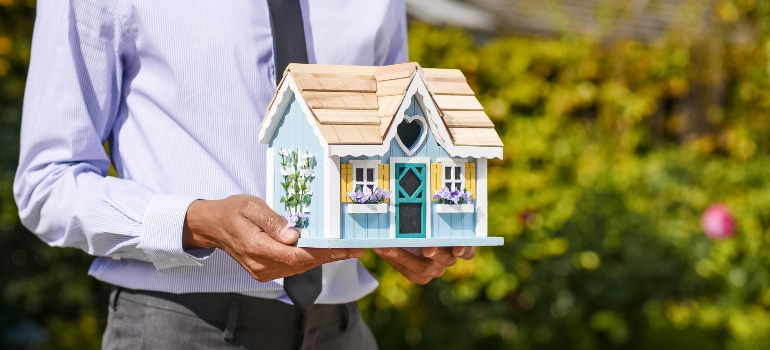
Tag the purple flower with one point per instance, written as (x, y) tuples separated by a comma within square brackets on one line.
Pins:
[(366, 195), (291, 218), (442, 195), (454, 196), (380, 195), (466, 196), (446, 196), (297, 220)]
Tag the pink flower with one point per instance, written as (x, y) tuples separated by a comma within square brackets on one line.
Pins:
[(718, 221)]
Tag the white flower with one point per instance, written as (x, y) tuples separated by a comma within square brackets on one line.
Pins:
[(306, 156), (306, 173), (284, 152), (290, 191)]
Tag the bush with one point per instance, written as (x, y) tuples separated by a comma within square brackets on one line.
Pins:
[(612, 153)]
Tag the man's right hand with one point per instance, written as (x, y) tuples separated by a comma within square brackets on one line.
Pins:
[(255, 236)]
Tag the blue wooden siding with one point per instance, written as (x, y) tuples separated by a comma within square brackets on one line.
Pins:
[(378, 225), (295, 132), (364, 225)]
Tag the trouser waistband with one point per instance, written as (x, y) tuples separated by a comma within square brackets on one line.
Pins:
[(235, 310)]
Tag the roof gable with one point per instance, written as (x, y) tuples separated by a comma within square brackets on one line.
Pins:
[(357, 105)]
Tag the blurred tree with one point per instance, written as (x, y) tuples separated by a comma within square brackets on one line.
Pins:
[(613, 151), (46, 298)]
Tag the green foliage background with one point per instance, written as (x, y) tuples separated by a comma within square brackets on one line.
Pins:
[(614, 149)]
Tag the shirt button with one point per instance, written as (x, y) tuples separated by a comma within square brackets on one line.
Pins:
[(173, 260)]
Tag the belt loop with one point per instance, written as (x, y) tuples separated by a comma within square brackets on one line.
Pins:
[(114, 298), (347, 315), (232, 316)]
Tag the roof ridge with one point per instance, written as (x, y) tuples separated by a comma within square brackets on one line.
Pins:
[(358, 104)]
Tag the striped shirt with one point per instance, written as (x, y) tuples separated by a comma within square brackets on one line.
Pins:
[(178, 90)]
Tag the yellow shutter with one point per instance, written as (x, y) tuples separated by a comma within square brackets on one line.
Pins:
[(383, 177), (346, 182), (436, 181), (470, 178)]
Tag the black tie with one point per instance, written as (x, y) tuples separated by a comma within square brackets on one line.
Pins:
[(289, 47)]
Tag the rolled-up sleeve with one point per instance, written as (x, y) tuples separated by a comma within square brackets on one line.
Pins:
[(74, 93)]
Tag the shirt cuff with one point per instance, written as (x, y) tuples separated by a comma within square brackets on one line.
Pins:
[(161, 237)]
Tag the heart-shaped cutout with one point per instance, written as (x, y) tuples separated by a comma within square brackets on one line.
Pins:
[(410, 133)]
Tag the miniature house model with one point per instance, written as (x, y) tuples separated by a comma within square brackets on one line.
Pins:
[(392, 156)]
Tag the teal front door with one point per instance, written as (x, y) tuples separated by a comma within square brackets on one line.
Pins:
[(410, 200)]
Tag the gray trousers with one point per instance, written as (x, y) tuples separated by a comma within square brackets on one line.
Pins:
[(154, 320)]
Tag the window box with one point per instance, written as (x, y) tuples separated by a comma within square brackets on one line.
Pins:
[(367, 208), (454, 208)]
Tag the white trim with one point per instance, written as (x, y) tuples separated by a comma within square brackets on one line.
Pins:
[(393, 194), (437, 127), (365, 164), (454, 208), (455, 161), (275, 113), (376, 150), (270, 177), (332, 226), (410, 160), (477, 152), (482, 211), (358, 208), (419, 141), (461, 180)]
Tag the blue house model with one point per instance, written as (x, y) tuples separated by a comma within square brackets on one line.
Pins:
[(392, 156)]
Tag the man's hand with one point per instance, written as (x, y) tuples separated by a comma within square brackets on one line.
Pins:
[(421, 269), (255, 236)]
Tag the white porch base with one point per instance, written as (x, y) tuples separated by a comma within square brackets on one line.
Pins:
[(399, 242)]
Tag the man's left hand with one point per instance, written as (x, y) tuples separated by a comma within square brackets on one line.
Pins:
[(421, 269)]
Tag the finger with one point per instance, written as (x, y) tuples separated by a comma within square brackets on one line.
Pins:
[(386, 252), (443, 256), (275, 225), (409, 273), (465, 253), (417, 265), (296, 261), (307, 258)]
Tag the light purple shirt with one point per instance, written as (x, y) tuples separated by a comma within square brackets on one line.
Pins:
[(178, 90)]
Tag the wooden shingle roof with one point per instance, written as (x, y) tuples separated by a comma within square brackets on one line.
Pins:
[(356, 105)]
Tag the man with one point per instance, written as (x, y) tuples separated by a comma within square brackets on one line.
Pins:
[(178, 90)]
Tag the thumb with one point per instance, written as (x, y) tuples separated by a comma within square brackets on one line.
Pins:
[(271, 222), (278, 228), (287, 235)]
